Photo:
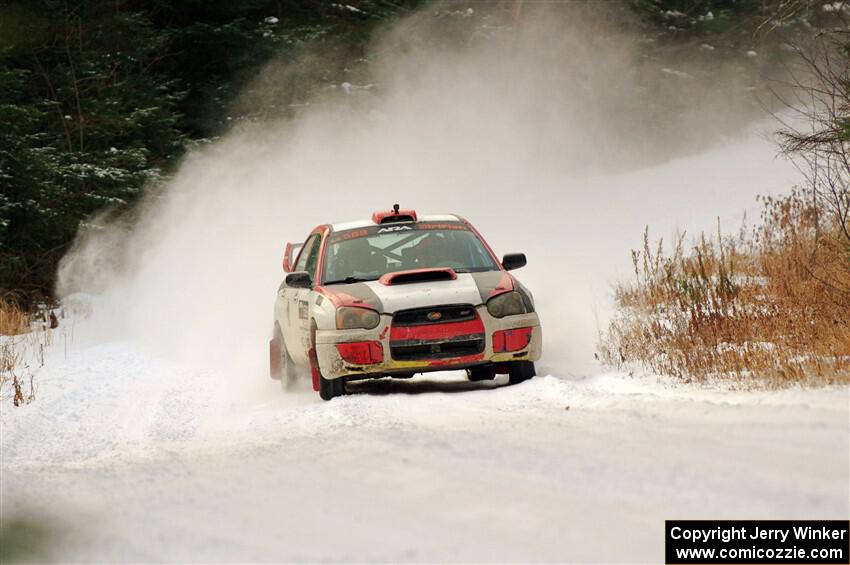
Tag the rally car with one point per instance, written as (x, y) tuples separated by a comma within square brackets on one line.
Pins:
[(398, 295)]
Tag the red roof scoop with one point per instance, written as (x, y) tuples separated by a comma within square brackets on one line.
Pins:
[(394, 215)]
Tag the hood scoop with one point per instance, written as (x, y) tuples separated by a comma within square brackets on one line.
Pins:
[(418, 275)]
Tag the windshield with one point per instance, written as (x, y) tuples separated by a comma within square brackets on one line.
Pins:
[(366, 254)]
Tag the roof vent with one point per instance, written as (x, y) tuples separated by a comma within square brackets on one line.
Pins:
[(394, 215)]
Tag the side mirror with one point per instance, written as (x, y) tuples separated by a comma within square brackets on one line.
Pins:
[(287, 265), (299, 279), (513, 261)]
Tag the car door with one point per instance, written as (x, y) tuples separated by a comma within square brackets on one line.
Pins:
[(297, 333)]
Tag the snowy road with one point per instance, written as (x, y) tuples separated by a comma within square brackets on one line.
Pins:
[(127, 457)]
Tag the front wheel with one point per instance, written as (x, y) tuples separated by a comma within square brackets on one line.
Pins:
[(519, 371), (329, 388)]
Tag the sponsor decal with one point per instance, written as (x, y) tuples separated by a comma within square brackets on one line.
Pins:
[(349, 235), (364, 232), (459, 227), (303, 309)]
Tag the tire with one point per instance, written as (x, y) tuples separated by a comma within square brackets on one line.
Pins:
[(330, 388), (481, 373), (285, 369), (519, 371)]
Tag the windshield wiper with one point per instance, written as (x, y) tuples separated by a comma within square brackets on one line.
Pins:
[(349, 280)]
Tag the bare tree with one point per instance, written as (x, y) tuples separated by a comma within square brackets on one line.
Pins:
[(815, 134), (816, 125)]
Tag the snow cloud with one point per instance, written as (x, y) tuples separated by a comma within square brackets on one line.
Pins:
[(544, 131)]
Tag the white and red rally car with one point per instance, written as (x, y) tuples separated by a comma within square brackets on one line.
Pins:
[(398, 295)]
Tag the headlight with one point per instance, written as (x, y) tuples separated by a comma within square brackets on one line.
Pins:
[(351, 318), (506, 304)]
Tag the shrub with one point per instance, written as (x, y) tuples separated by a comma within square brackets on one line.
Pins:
[(768, 307)]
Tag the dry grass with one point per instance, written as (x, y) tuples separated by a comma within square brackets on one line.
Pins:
[(16, 381), (14, 320), (766, 308), (22, 343)]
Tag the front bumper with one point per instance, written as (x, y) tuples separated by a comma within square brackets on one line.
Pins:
[(332, 364)]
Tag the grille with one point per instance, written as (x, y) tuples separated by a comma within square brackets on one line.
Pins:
[(448, 313), (458, 346)]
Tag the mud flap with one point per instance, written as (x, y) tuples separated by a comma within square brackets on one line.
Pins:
[(314, 367), (274, 360)]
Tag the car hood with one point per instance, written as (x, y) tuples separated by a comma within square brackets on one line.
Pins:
[(467, 288)]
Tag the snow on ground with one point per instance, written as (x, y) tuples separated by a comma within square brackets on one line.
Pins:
[(128, 457), (155, 435)]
